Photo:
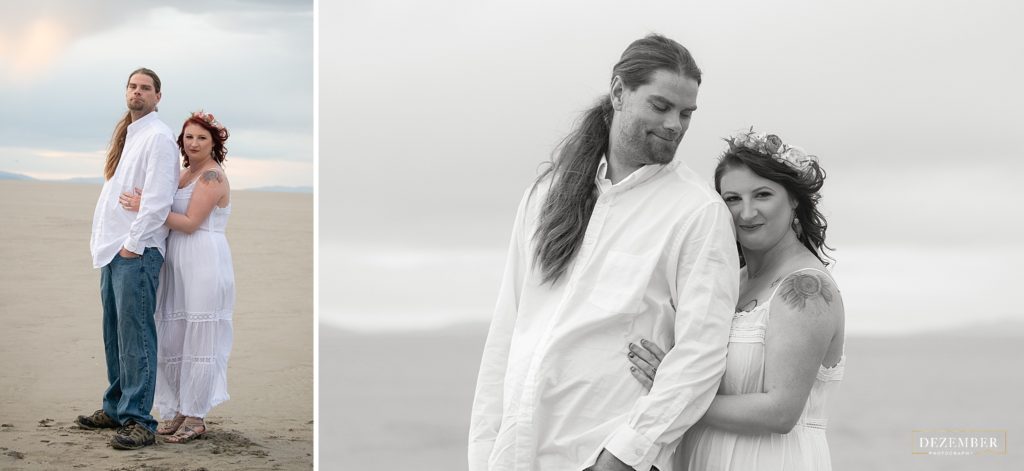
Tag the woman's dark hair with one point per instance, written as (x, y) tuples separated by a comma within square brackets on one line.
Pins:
[(570, 202), (219, 135), (802, 186)]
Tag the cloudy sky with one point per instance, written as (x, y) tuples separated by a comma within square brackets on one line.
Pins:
[(64, 65), (434, 117)]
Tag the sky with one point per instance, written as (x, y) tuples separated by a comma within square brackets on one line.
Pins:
[(435, 116), (64, 66)]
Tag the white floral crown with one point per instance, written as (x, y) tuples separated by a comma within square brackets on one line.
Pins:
[(209, 119), (771, 145)]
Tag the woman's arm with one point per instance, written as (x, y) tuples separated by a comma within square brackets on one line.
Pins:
[(804, 318), (209, 190)]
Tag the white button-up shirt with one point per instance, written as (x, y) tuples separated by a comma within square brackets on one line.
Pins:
[(149, 161), (658, 262)]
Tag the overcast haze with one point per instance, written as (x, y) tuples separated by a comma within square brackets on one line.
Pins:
[(441, 112), (64, 65)]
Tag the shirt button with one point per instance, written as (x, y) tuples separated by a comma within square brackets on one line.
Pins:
[(639, 452)]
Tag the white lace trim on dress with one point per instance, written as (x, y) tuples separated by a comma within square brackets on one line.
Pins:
[(195, 316)]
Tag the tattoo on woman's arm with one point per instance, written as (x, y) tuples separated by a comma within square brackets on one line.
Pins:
[(210, 176), (800, 288)]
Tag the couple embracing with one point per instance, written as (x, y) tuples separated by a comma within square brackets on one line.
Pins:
[(646, 321), (166, 280)]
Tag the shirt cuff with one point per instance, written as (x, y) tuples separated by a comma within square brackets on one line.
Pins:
[(132, 246), (632, 448), (479, 454)]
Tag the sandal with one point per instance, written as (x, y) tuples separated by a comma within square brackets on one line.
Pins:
[(171, 426), (191, 429)]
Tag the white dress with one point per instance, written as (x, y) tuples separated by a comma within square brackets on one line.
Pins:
[(195, 299), (803, 448)]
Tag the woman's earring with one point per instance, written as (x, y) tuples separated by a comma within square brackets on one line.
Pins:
[(797, 228)]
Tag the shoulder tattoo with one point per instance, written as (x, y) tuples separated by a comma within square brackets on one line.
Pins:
[(800, 288), (211, 176)]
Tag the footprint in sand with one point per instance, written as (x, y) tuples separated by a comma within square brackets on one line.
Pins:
[(15, 454)]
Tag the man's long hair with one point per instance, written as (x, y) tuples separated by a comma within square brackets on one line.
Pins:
[(121, 130), (570, 202)]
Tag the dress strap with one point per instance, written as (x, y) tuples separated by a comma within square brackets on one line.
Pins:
[(813, 423)]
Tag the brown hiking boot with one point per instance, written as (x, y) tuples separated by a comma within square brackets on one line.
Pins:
[(132, 437), (97, 420)]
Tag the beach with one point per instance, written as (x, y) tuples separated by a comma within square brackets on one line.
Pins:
[(403, 398), (52, 366)]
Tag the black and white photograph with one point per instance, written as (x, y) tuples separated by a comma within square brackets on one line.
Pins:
[(669, 235)]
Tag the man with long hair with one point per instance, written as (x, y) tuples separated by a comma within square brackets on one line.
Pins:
[(615, 244), (129, 247)]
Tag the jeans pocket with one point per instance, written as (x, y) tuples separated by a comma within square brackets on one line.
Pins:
[(125, 260), (151, 264)]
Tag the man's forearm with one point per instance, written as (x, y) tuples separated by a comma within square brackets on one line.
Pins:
[(151, 217), (159, 185), (689, 375)]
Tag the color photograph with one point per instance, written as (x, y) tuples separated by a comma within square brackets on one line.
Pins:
[(156, 191)]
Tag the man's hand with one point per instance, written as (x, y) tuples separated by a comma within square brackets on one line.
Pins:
[(608, 462), (125, 253)]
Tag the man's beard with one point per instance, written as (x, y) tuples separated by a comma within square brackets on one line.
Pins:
[(136, 105), (644, 149), (659, 151)]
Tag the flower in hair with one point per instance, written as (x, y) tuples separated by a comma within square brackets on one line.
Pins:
[(209, 119), (772, 146)]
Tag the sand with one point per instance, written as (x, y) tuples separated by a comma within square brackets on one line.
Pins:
[(51, 348), (403, 399)]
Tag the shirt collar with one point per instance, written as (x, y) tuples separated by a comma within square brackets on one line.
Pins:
[(143, 122), (601, 179), (636, 178)]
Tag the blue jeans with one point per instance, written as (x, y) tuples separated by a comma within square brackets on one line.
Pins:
[(128, 292)]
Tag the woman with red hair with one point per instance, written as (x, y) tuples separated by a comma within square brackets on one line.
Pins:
[(196, 295)]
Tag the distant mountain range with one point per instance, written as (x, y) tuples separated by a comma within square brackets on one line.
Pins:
[(99, 181), (14, 176)]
